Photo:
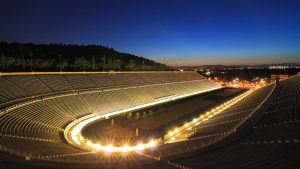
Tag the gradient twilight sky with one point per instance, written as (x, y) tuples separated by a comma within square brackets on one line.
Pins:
[(175, 32)]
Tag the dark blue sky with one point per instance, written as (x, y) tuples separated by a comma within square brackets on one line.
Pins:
[(171, 31)]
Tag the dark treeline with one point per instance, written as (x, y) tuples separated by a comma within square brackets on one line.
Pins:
[(60, 57)]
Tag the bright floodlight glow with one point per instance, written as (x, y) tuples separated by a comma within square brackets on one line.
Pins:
[(81, 137), (152, 143), (140, 146), (170, 133), (108, 148), (97, 146), (89, 143), (125, 148)]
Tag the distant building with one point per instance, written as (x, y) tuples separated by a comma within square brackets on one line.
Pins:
[(279, 77), (279, 67)]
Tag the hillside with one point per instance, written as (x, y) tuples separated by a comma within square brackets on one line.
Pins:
[(69, 57)]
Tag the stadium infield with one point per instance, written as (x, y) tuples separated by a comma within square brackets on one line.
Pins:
[(162, 118)]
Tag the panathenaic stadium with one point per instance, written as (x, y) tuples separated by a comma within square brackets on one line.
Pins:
[(145, 120)]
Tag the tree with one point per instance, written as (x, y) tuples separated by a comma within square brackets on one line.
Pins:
[(129, 115), (93, 62), (9, 61), (137, 115), (81, 63), (47, 57), (145, 114), (151, 113), (64, 64)]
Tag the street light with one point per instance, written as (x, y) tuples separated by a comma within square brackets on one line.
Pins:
[(59, 62), (103, 64), (118, 60), (31, 67)]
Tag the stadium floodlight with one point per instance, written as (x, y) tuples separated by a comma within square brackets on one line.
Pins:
[(97, 146), (81, 138), (125, 149), (152, 143), (140, 146), (170, 133), (109, 148), (89, 143)]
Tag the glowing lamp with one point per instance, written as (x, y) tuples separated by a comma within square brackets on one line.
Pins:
[(108, 148), (89, 143), (152, 143), (140, 146), (97, 146), (125, 148)]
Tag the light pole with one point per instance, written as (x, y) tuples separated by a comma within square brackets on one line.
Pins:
[(102, 64), (31, 67), (93, 62), (143, 65), (118, 64), (59, 62), (2, 61), (83, 63)]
